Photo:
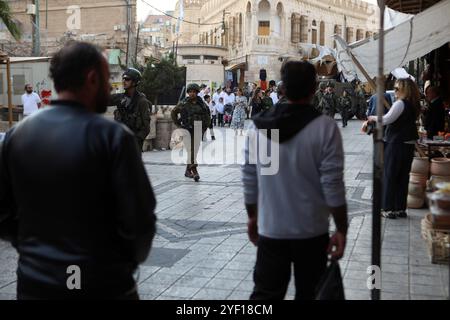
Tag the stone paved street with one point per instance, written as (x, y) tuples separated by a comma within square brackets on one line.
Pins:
[(201, 250)]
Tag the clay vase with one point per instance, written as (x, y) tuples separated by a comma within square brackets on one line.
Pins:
[(420, 165), (440, 167), (415, 202)]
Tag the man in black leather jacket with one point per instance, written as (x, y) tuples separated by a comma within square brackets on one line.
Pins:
[(75, 199)]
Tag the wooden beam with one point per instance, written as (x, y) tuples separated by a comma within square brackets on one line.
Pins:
[(8, 75)]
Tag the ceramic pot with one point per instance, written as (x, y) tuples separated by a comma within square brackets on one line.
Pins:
[(420, 165), (416, 189), (415, 202), (418, 178), (440, 167)]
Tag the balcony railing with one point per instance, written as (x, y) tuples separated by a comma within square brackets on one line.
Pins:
[(263, 40)]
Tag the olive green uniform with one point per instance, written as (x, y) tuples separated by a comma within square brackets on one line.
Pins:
[(188, 115), (329, 104), (345, 107)]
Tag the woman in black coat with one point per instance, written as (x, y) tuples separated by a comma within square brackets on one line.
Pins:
[(256, 102)]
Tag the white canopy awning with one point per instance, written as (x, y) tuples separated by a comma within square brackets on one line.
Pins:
[(405, 42)]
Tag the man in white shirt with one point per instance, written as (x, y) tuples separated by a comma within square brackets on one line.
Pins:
[(30, 100)]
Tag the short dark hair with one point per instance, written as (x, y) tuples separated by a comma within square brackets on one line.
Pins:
[(68, 67), (207, 96), (299, 79)]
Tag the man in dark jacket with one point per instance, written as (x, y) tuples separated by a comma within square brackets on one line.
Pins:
[(133, 108), (75, 199), (435, 115)]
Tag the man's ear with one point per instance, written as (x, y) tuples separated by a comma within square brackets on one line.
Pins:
[(92, 77)]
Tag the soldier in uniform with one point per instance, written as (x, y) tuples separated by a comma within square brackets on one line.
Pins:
[(319, 95), (329, 102), (267, 101), (345, 106), (281, 90), (133, 108), (188, 114), (360, 102)]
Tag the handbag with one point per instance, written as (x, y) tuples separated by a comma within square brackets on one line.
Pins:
[(330, 286)]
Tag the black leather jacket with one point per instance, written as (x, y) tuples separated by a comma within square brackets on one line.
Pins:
[(74, 191)]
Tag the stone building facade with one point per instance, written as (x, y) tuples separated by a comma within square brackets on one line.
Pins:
[(261, 34), (103, 22)]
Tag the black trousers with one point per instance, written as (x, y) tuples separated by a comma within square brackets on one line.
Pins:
[(398, 158), (213, 120), (273, 267), (220, 119), (344, 116)]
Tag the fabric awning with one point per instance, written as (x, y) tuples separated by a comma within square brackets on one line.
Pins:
[(410, 6), (236, 66), (405, 42)]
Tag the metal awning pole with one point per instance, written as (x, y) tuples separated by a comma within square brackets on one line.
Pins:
[(8, 76), (378, 158)]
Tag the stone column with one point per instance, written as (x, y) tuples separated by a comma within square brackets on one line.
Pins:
[(253, 29)]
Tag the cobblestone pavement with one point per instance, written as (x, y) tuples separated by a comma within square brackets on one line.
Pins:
[(201, 250)]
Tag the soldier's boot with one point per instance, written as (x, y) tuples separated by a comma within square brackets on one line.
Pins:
[(195, 174), (188, 173)]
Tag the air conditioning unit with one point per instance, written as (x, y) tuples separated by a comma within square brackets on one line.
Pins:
[(116, 28), (31, 9), (123, 27)]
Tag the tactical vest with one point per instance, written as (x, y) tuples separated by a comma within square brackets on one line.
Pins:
[(191, 112)]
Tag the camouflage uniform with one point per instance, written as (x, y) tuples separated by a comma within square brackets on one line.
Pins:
[(134, 112), (267, 103), (329, 104), (191, 112), (345, 107), (318, 96), (361, 104)]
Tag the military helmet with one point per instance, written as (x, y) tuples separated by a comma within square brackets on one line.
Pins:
[(134, 74), (323, 85), (193, 86)]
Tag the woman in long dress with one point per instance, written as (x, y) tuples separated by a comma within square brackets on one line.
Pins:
[(240, 105)]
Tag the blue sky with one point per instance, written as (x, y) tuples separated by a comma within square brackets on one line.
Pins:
[(164, 5)]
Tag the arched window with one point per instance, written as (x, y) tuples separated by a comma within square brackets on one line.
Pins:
[(295, 28), (264, 18), (338, 30), (349, 35), (278, 28), (248, 20), (240, 29), (359, 34), (314, 32), (322, 33), (304, 29)]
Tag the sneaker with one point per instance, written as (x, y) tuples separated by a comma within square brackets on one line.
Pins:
[(213, 138), (388, 214), (402, 214)]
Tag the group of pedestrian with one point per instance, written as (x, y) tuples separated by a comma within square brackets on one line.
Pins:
[(74, 190), (327, 102)]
